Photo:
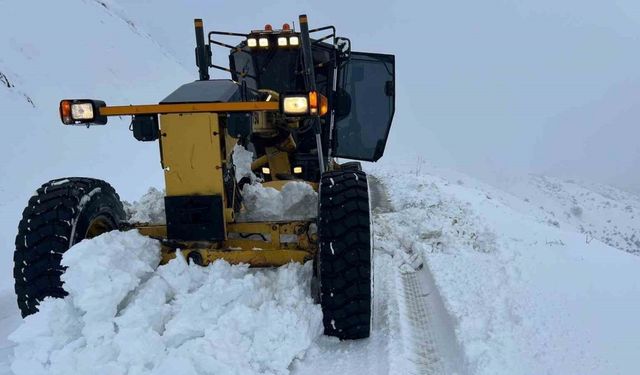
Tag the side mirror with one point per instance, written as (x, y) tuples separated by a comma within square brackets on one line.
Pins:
[(343, 104), (239, 124)]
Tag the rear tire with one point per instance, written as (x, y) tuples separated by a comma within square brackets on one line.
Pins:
[(344, 263), (62, 213)]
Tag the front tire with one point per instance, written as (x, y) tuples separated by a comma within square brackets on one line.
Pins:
[(344, 263), (62, 213)]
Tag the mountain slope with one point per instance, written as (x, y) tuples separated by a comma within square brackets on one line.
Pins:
[(73, 49), (598, 211)]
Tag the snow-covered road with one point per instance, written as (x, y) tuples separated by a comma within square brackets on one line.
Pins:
[(524, 294), (468, 280)]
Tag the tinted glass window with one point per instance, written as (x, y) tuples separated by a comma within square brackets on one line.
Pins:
[(368, 79), (242, 62), (274, 69)]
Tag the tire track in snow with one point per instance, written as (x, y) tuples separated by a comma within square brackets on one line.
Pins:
[(427, 333), (420, 350)]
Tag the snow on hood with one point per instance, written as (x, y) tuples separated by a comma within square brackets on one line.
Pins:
[(123, 317)]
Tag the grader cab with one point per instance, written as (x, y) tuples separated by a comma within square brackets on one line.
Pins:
[(297, 99)]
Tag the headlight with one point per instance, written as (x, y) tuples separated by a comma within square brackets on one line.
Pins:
[(295, 105), (282, 41), (312, 104), (82, 111), (263, 42), (294, 41), (252, 42), (297, 170)]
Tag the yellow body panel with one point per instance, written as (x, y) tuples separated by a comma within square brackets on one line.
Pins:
[(278, 162), (192, 154)]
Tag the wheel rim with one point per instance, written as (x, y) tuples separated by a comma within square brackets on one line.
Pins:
[(98, 226)]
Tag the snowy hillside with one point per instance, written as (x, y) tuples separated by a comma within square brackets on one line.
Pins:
[(598, 211), (466, 282), (73, 49)]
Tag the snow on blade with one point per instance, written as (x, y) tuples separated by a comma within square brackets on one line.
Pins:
[(296, 201), (124, 317)]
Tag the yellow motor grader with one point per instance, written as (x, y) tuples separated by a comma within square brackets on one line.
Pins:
[(295, 101)]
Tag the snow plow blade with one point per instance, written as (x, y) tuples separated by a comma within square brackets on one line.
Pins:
[(254, 258), (258, 244)]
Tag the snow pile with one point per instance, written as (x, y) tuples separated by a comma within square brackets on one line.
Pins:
[(149, 209), (296, 201), (122, 317), (524, 296), (242, 159)]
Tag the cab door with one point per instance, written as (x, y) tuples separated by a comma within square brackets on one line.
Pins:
[(365, 108)]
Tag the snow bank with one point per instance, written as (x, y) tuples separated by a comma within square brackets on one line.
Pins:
[(525, 296), (122, 317)]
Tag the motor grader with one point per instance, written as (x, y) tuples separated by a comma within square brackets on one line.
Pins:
[(298, 100)]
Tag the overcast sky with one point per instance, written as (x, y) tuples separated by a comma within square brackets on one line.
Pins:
[(536, 86)]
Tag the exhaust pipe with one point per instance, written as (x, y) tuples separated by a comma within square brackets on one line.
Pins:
[(203, 51)]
